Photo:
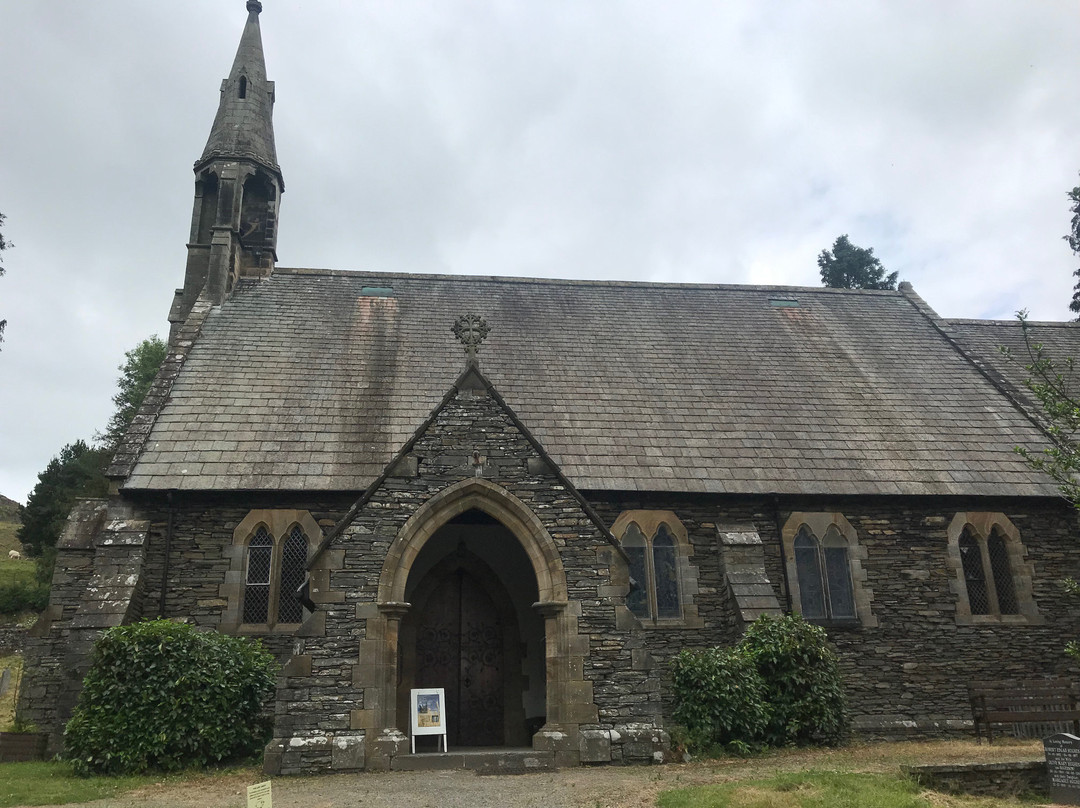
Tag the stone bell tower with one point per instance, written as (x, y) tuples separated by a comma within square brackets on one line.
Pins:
[(238, 184)]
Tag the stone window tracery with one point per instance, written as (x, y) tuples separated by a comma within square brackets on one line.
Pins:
[(275, 569), (269, 563), (826, 579), (657, 550), (992, 579)]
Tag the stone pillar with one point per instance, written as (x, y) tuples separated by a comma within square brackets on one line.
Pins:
[(377, 673), (569, 697)]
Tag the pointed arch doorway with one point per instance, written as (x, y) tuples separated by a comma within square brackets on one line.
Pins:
[(471, 630)]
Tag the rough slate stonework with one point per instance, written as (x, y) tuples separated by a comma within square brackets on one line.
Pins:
[(908, 676), (319, 706), (98, 583)]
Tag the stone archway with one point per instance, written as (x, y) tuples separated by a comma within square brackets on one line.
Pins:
[(497, 502), (568, 695)]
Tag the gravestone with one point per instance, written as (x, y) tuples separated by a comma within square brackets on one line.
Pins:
[(1063, 767)]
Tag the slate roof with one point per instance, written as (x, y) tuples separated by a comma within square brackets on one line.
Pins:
[(983, 340), (308, 380)]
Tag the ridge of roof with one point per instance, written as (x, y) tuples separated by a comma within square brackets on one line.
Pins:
[(361, 273), (1013, 323), (993, 375)]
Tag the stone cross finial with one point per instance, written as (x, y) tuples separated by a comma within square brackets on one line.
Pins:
[(471, 329)]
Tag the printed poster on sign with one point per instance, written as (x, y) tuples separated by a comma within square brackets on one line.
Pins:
[(429, 710), (428, 714)]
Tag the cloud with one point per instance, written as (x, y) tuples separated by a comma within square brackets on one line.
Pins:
[(688, 141)]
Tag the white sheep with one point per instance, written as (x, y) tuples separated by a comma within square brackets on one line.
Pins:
[(14, 555)]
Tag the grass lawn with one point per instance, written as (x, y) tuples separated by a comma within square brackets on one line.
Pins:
[(824, 789), (54, 784), (12, 572), (856, 775)]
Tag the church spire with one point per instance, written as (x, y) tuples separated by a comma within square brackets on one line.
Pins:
[(238, 185), (244, 125)]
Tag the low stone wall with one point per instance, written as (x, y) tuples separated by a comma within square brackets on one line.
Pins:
[(984, 779)]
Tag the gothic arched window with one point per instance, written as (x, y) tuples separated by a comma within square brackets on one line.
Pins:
[(989, 580), (824, 568), (274, 569), (974, 572), (260, 555), (243, 87), (293, 564), (654, 592)]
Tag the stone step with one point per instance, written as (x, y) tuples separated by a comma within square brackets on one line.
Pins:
[(482, 761)]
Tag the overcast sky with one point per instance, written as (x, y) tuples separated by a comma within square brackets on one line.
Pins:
[(718, 142)]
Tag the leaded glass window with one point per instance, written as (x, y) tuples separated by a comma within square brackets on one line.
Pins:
[(653, 562), (974, 573), (260, 555), (808, 569), (1002, 571), (988, 572), (636, 550), (293, 562), (667, 583), (823, 571), (838, 574)]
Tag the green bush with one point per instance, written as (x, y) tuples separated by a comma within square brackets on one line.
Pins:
[(719, 699), (162, 695), (802, 680), (780, 685), (22, 596)]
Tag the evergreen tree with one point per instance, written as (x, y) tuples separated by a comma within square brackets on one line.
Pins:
[(1074, 242), (137, 373), (849, 267), (78, 471)]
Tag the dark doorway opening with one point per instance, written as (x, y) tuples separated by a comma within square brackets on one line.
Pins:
[(471, 631)]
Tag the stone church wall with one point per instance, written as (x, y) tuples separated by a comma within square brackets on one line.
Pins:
[(907, 675)]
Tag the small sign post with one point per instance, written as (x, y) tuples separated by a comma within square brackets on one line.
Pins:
[(259, 795), (428, 713)]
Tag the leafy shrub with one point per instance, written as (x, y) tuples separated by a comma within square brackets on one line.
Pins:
[(163, 695), (802, 680), (23, 595), (719, 699)]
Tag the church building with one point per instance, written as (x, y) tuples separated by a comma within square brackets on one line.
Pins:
[(532, 493)]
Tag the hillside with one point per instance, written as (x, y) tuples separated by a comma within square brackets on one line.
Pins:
[(9, 523)]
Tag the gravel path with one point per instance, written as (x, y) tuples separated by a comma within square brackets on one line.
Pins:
[(599, 787), (602, 787)]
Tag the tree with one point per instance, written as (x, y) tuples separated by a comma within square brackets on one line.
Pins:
[(4, 245), (849, 267), (137, 373), (1074, 243), (1052, 382), (78, 471)]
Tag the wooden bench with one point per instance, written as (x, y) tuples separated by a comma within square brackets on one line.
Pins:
[(1036, 701)]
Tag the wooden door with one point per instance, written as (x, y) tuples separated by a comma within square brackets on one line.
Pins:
[(459, 647)]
